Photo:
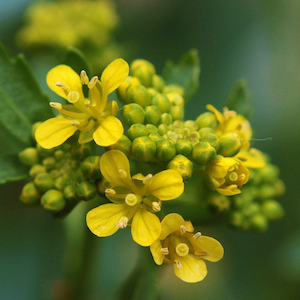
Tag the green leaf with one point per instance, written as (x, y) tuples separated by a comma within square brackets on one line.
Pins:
[(22, 103), (77, 61), (186, 73), (239, 99), (11, 169)]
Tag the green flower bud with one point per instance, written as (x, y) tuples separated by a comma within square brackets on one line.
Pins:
[(251, 209), (122, 90), (194, 135), (272, 210), (165, 150), (166, 119), (212, 139), (173, 88), (86, 190), (91, 167), (60, 183), (36, 169), (162, 102), (29, 157), (143, 70), (192, 125), (259, 223), (143, 148), (66, 147), (205, 131), (49, 163), (155, 137), (153, 92), (137, 130), (44, 152), (53, 201), (279, 187), (69, 193), (133, 113), (81, 151), (177, 112), (203, 153), (267, 190), (184, 147), (175, 99), (182, 165), (152, 114), (230, 144), (59, 155), (43, 181), (123, 144), (158, 82), (218, 203), (30, 195), (163, 129), (55, 173), (138, 94), (269, 173), (237, 219), (151, 128), (207, 119)]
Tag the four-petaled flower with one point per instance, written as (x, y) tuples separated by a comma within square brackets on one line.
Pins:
[(178, 245), (134, 198), (93, 116)]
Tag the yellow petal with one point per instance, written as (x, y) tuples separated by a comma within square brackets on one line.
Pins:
[(218, 115), (155, 249), (66, 75), (110, 164), (231, 191), (250, 160), (109, 132), (166, 185), (210, 246), (54, 132), (102, 221), (113, 75), (145, 228), (170, 223), (192, 269)]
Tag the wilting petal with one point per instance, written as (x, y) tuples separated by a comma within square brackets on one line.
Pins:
[(166, 185), (155, 249), (192, 269), (109, 132), (54, 132), (66, 75), (145, 228), (170, 223)]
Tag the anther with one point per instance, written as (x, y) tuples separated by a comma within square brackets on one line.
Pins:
[(147, 178), (197, 235), (230, 169), (93, 82), (178, 264), (122, 173), (242, 177), (182, 229), (109, 192), (75, 123), (56, 105), (201, 253), (156, 207), (164, 251), (84, 78), (62, 85), (122, 223)]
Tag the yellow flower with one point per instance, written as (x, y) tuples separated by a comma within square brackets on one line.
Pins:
[(226, 175), (133, 198), (229, 121), (178, 245), (93, 116)]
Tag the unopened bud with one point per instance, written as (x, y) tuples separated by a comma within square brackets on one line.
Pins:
[(272, 210), (203, 153), (30, 195), (207, 119), (91, 167), (59, 155), (166, 119), (81, 151), (137, 130), (259, 223), (218, 203), (35, 170), (143, 70), (122, 90), (175, 99), (69, 193), (173, 88), (43, 181), (230, 144), (151, 128), (155, 137), (177, 112), (237, 219), (86, 190), (181, 165), (152, 115), (191, 125), (138, 94), (162, 102), (143, 148), (158, 82), (29, 157), (162, 129), (60, 183), (49, 163), (212, 139), (205, 131), (165, 150), (133, 113), (53, 201), (184, 147), (123, 144)]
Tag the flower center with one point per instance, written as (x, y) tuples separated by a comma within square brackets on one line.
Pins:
[(132, 199), (182, 249)]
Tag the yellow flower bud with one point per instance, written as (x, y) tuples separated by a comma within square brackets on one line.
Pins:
[(203, 153), (162, 102), (133, 113), (29, 157), (230, 144), (35, 170), (123, 144), (212, 139), (53, 201), (143, 148), (177, 112), (181, 165), (162, 129), (86, 190), (30, 195), (165, 150), (151, 128), (143, 70), (192, 125), (122, 90), (184, 147), (152, 115), (138, 94), (207, 119), (137, 130), (158, 82), (272, 210), (49, 163), (155, 137), (69, 192), (173, 88), (166, 119), (205, 131), (91, 167), (43, 182)]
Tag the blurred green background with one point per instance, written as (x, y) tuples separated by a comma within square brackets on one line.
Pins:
[(254, 39)]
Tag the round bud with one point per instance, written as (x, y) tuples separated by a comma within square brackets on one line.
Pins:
[(36, 169), (155, 137), (138, 94), (49, 163), (30, 195), (86, 190), (91, 167), (165, 150), (152, 115), (162, 102), (69, 193), (218, 203), (59, 155), (43, 182), (153, 92), (184, 147), (175, 99), (143, 70), (191, 125), (29, 157), (166, 119), (230, 144), (182, 165), (122, 90), (123, 144), (53, 201), (203, 153), (272, 210), (55, 173), (259, 223), (143, 148), (207, 119), (60, 183), (151, 128), (177, 112), (205, 131), (133, 113), (173, 88), (269, 173), (162, 129), (158, 82), (212, 139), (81, 151), (137, 130), (237, 219)]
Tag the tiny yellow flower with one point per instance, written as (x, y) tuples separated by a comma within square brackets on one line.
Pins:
[(226, 175), (178, 245), (136, 198), (93, 116)]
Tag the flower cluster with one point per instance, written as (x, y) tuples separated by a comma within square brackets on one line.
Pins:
[(163, 151)]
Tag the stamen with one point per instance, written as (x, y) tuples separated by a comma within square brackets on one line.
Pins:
[(197, 235), (131, 199), (182, 229), (110, 192), (73, 97), (156, 206), (93, 82), (182, 249), (75, 123), (64, 86), (201, 253), (164, 251), (122, 223), (233, 176), (84, 78), (56, 105), (179, 265), (242, 177), (230, 169), (147, 178), (122, 173)]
